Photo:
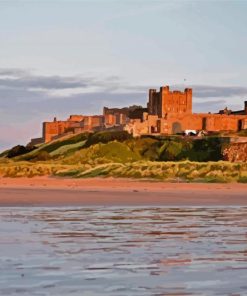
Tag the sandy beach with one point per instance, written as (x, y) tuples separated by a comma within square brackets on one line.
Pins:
[(45, 191)]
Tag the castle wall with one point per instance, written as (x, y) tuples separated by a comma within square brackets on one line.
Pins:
[(56, 128), (209, 122), (51, 129), (91, 122), (110, 119), (121, 119), (136, 127), (36, 141), (174, 124), (76, 118)]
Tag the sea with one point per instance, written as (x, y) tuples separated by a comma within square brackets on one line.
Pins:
[(127, 251)]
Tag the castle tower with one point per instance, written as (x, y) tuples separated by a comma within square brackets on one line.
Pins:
[(152, 102), (188, 93), (165, 101)]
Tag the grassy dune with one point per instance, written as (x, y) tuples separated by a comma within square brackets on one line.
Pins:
[(56, 148), (167, 171), (27, 169)]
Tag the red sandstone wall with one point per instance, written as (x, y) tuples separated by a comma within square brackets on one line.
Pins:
[(110, 119), (76, 118), (91, 122), (51, 129), (209, 122)]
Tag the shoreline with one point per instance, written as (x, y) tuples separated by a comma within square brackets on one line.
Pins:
[(50, 191)]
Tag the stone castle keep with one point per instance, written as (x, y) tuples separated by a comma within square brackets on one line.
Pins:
[(168, 112)]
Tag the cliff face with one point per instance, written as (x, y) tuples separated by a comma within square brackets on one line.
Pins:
[(236, 152)]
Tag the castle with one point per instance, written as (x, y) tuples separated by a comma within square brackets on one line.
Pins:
[(167, 112), (170, 112)]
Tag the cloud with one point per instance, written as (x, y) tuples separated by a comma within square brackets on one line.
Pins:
[(46, 83), (23, 79), (207, 91), (13, 72), (18, 79), (13, 81), (202, 91), (209, 106), (24, 95)]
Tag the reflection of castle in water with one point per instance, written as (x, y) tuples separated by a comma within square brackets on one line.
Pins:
[(167, 112)]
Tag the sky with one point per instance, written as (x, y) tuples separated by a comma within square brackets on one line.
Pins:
[(62, 57)]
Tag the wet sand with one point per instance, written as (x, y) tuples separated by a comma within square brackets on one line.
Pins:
[(45, 191)]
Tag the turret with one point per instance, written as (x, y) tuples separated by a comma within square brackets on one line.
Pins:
[(105, 110), (188, 93), (165, 89), (151, 102)]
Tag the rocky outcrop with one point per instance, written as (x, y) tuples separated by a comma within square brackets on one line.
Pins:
[(236, 152)]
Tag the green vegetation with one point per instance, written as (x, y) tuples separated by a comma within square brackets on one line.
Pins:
[(19, 150), (206, 149), (66, 144), (145, 148), (4, 154), (103, 153), (117, 154), (106, 137), (67, 149)]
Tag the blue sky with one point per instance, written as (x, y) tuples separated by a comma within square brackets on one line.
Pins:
[(59, 57)]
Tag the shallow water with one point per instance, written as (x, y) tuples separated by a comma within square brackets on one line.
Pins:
[(123, 251)]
